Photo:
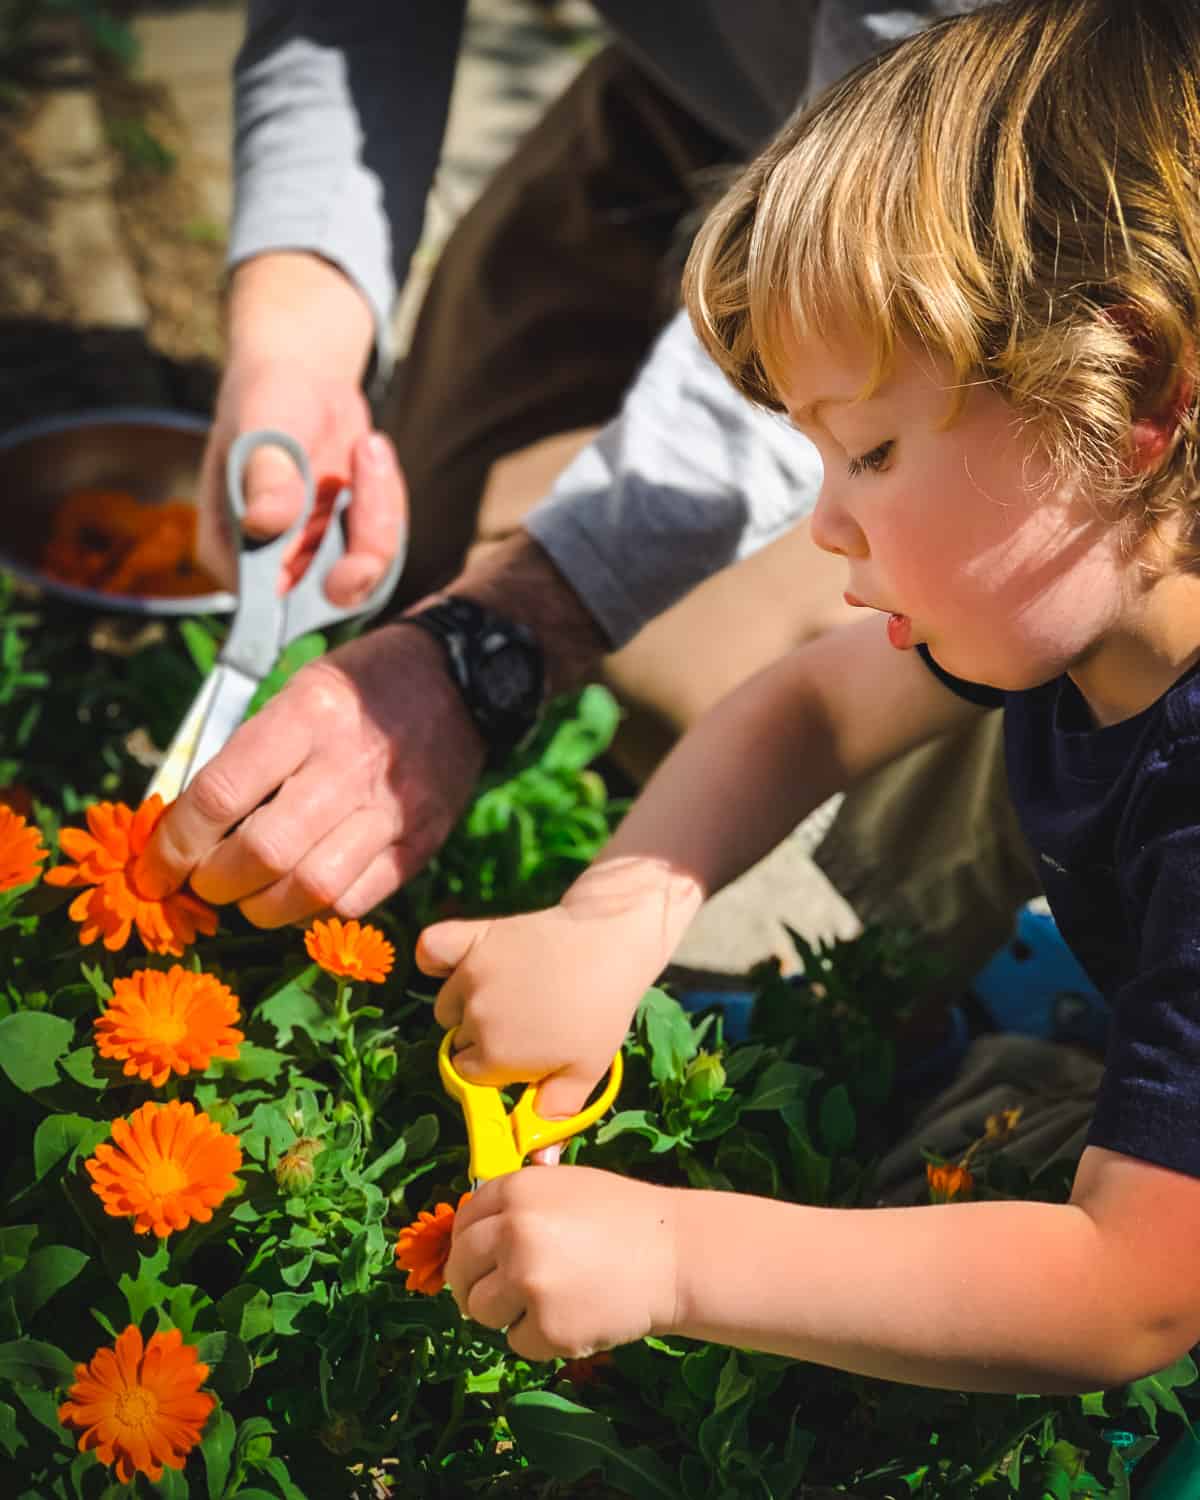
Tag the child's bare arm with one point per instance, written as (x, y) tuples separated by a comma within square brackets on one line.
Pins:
[(549, 995), (777, 747), (990, 1296)]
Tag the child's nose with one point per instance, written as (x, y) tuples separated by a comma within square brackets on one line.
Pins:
[(834, 529)]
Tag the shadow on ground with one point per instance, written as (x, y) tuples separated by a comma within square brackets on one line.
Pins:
[(51, 368)]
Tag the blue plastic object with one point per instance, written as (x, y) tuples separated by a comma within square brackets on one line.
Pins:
[(1035, 986)]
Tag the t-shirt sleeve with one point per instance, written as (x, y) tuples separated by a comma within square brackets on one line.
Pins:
[(974, 692), (1149, 1101)]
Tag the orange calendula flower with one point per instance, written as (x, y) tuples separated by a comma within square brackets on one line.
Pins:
[(21, 850), (164, 1023), (352, 949), (586, 1371), (140, 1406), (948, 1183), (424, 1248), (170, 1164), (113, 904)]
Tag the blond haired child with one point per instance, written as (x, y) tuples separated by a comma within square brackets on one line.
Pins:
[(971, 275)]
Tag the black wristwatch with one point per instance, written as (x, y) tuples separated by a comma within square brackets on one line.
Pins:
[(496, 664)]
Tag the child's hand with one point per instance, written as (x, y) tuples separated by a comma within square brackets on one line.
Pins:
[(547, 997), (568, 1261)]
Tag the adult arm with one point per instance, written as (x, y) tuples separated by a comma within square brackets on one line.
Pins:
[(339, 112), (687, 479)]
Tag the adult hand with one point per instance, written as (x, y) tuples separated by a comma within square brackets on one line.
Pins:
[(367, 756), (568, 1261), (302, 376)]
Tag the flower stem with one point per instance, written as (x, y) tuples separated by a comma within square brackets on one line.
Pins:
[(351, 1063), (458, 1400)]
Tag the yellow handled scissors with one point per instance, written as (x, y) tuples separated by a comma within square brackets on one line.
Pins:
[(500, 1142)]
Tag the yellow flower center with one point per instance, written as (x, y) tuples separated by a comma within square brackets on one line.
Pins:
[(350, 961), (164, 1177), (136, 1408), (166, 1028)]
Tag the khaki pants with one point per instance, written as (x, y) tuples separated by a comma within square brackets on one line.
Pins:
[(542, 306)]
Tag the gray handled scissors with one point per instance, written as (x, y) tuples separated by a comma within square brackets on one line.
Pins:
[(264, 621)]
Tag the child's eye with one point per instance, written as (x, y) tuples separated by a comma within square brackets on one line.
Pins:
[(874, 461)]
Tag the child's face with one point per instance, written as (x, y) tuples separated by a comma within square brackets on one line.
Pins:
[(957, 532)]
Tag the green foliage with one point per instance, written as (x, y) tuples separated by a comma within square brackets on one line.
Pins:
[(333, 1382)]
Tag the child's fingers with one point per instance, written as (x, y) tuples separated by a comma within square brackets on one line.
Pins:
[(563, 1094), (442, 947)]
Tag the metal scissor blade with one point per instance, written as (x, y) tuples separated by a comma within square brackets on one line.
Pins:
[(216, 711)]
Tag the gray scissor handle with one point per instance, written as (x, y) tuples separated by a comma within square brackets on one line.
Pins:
[(266, 622)]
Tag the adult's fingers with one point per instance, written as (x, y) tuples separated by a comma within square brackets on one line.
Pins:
[(317, 881), (278, 836), (376, 522), (260, 756)]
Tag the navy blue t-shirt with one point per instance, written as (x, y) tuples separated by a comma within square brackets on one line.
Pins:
[(1113, 818)]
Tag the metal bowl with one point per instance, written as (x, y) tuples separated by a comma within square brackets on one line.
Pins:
[(154, 455)]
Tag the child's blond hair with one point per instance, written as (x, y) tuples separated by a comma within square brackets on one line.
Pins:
[(1017, 189)]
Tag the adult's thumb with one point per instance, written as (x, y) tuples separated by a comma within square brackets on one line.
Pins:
[(442, 947), (273, 490)]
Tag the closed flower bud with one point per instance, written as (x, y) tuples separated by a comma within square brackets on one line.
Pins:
[(704, 1080), (294, 1171), (342, 1433)]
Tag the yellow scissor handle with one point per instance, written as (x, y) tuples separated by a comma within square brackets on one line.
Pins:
[(500, 1142)]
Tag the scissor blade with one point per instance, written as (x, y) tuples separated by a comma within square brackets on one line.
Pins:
[(216, 712)]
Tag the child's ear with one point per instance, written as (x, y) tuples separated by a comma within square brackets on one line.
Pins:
[(1152, 432)]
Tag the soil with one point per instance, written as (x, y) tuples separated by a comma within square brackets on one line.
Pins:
[(48, 363)]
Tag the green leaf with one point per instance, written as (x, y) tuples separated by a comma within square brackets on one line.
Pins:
[(252, 1064), (782, 1084), (201, 644), (230, 1366), (62, 1135), (16, 1241), (48, 1271), (1157, 1391), (80, 1065), (31, 1362), (838, 1125), (172, 1485), (669, 1034), (11, 1437), (246, 1312), (31, 1043), (570, 1441), (217, 1451), (293, 1007)]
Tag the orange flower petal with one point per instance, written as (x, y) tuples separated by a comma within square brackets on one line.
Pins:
[(21, 850), (139, 1406), (158, 1023), (424, 1248), (352, 949), (105, 861), (170, 1164)]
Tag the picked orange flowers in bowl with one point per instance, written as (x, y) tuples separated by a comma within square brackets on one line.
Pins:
[(112, 903), (166, 1165), (174, 1022)]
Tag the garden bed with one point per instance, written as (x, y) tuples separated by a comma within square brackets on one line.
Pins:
[(330, 1373)]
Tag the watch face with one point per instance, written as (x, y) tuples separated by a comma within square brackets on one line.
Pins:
[(508, 678)]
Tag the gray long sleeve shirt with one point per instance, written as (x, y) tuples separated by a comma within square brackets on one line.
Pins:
[(340, 110)]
